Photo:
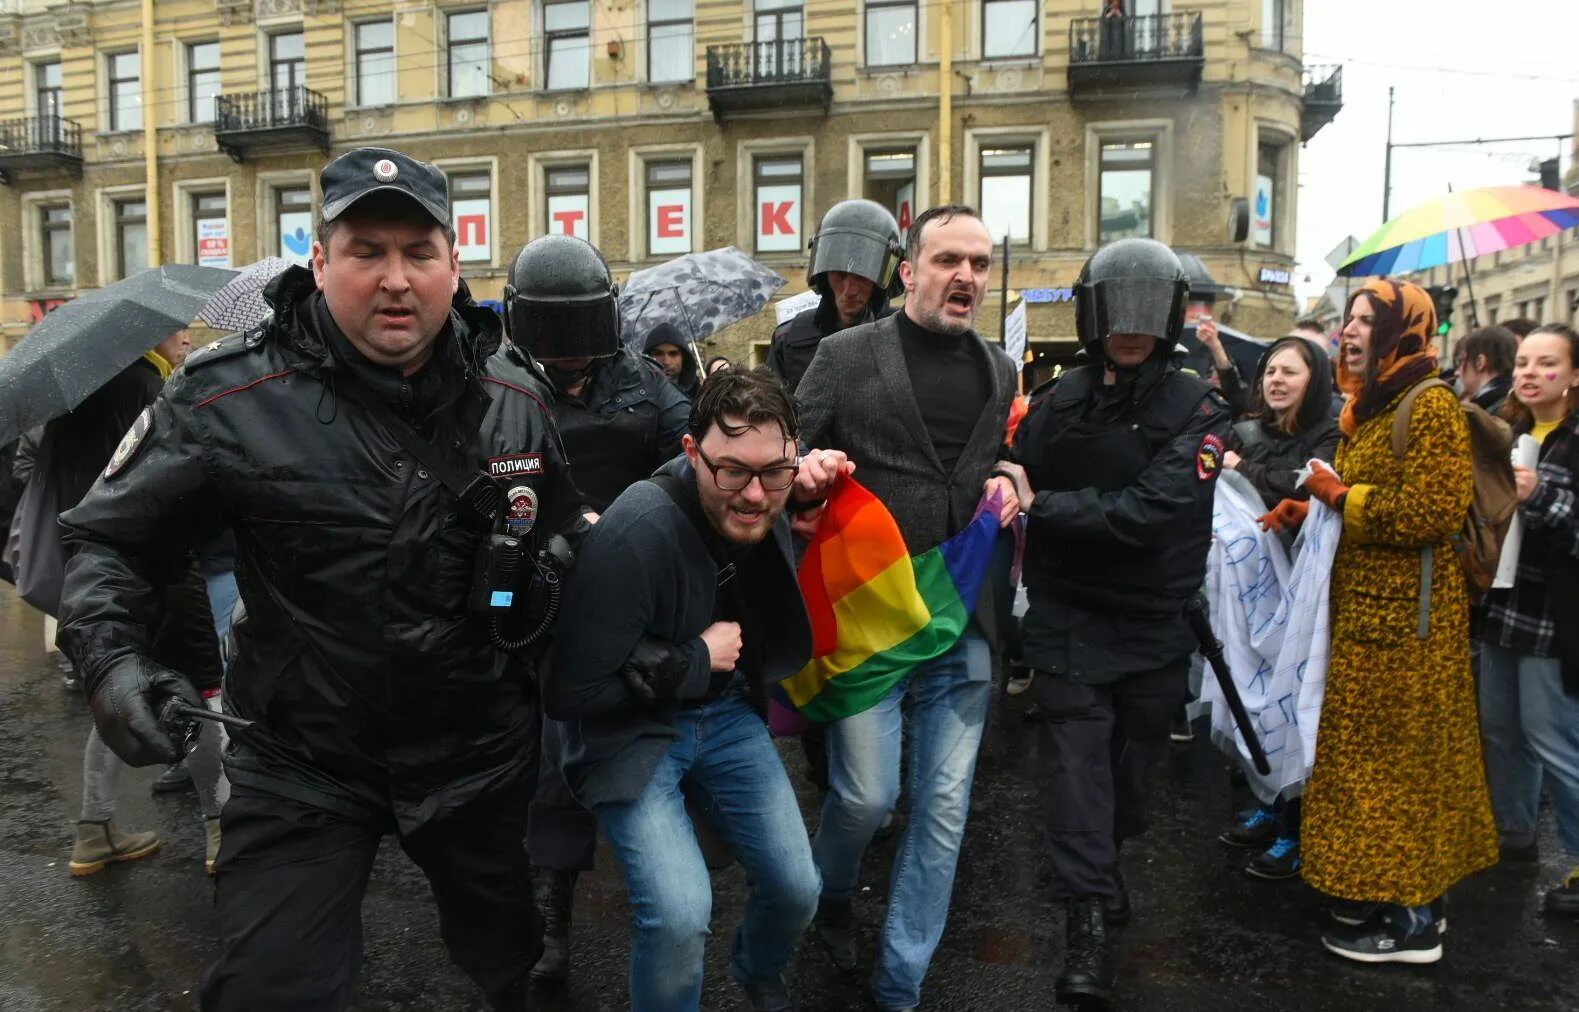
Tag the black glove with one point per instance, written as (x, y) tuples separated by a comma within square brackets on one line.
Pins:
[(126, 703), (655, 669)]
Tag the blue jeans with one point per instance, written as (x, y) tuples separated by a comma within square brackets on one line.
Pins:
[(222, 597), (724, 761), (948, 698), (1528, 726)]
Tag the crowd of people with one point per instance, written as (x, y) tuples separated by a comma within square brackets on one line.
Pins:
[(506, 585)]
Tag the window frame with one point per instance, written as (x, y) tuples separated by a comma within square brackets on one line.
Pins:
[(278, 207), (984, 173), (1160, 132), (539, 164), (451, 42), (690, 22), (553, 36), (860, 145), (466, 170), (46, 230), (1036, 32), (552, 190), (360, 76), (866, 30), (189, 51), (120, 221), (637, 158), (113, 89), (759, 179), (39, 90)]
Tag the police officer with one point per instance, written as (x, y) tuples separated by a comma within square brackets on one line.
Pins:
[(854, 266), (1122, 454), (365, 445), (620, 418)]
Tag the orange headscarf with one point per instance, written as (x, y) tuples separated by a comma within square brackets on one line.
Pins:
[(1400, 355)]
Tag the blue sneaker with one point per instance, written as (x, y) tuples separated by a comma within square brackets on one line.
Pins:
[(1279, 861), (1254, 830)]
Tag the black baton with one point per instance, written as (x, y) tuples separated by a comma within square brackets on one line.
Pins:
[(180, 722), (1212, 650)]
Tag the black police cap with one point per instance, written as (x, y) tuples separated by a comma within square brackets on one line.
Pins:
[(357, 174)]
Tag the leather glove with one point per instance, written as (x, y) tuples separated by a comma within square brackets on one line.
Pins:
[(126, 703), (655, 670), (1325, 486), (1285, 516)]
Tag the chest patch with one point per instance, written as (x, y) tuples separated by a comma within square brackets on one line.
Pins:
[(515, 465), (1209, 458), (130, 443)]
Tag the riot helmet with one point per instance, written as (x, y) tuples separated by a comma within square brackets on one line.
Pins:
[(1133, 286), (560, 300), (857, 237)]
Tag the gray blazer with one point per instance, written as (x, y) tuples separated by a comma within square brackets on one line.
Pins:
[(856, 397)]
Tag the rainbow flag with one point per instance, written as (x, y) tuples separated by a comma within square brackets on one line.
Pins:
[(875, 611)]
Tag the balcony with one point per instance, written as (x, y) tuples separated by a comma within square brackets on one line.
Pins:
[(42, 143), (749, 77), (1323, 99), (272, 120), (1111, 56)]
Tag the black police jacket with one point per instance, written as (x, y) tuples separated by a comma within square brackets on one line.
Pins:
[(628, 422), (375, 692), (796, 339)]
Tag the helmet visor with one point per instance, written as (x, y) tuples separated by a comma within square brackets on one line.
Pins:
[(565, 329), (1134, 306), (855, 252)]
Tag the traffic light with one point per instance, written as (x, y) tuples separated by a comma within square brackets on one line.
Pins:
[(1443, 297)]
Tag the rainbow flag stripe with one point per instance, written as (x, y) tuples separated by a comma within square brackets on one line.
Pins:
[(875, 611)]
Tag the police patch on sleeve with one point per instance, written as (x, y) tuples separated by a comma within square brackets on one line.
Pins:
[(515, 465), (130, 443), (1209, 458)]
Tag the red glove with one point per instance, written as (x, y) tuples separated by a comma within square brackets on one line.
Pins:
[(1285, 516), (1325, 487)]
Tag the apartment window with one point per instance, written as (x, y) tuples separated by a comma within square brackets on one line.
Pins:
[(1276, 24), (131, 237), (1126, 190), (670, 48), (668, 207), (1269, 195), (202, 81), (468, 57), (567, 27), (47, 92), (210, 230), (375, 63), (293, 222), (1538, 309), (471, 208), (60, 269), (778, 216), (1008, 29), (126, 98), (891, 181), (287, 74), (780, 26), (569, 204), (890, 32), (1006, 192)]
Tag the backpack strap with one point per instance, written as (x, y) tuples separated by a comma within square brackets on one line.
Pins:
[(1401, 417)]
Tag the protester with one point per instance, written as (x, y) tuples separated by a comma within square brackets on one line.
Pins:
[(920, 402), (1529, 641), (682, 613), (359, 443), (1485, 368), (1224, 373), (669, 348), (1120, 460), (717, 363), (1397, 809)]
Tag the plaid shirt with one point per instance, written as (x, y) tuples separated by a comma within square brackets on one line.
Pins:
[(1524, 618)]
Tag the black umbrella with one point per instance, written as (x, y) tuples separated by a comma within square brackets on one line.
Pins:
[(81, 345)]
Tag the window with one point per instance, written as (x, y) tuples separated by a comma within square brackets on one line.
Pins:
[(569, 205), (891, 181), (1125, 190), (778, 204), (1277, 30), (288, 74), (566, 24), (293, 223), (670, 49), (890, 32), (202, 81), (468, 58), (375, 63), (47, 97), (1538, 309), (131, 237), (471, 207), (1269, 196), (668, 207), (1006, 192), (780, 25), (126, 99), (210, 230), (1008, 29), (55, 225)]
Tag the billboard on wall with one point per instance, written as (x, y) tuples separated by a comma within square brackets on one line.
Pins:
[(296, 236), (569, 214), (1261, 211), (213, 242), (474, 229), (778, 218), (669, 221)]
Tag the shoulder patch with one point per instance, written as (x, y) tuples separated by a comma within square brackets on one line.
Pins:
[(1209, 458), (225, 347), (130, 443)]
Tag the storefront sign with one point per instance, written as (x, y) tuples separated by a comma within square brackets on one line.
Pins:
[(213, 242)]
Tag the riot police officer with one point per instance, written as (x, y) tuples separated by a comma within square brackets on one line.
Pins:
[(1119, 457), (620, 418), (854, 265)]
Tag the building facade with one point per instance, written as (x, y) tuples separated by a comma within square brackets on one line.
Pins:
[(191, 130)]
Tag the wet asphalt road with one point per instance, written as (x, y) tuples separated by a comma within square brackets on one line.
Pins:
[(135, 937)]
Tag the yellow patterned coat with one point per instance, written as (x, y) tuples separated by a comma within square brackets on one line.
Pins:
[(1397, 808)]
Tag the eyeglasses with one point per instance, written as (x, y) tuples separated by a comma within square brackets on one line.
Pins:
[(731, 478)]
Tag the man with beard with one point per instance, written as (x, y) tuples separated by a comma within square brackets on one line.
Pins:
[(921, 403), (682, 611)]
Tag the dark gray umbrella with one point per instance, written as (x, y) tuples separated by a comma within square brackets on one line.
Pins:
[(700, 293), (81, 345)]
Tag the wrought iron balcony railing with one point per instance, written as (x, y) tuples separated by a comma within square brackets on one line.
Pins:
[(1174, 36), (39, 142), (271, 117), (1323, 99), (781, 61)]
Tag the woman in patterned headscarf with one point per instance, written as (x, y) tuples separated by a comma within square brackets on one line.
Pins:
[(1397, 808)]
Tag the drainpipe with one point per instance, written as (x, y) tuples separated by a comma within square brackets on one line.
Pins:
[(945, 105), (150, 135)]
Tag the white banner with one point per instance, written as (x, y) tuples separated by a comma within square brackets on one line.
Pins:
[(795, 305), (1014, 335), (213, 242), (474, 229), (570, 214), (669, 221), (1527, 454), (778, 218), (296, 236)]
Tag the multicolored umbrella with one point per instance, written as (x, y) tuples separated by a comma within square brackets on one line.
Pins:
[(1461, 226)]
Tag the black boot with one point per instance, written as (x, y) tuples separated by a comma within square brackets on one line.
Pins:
[(835, 928), (1087, 979), (554, 892), (1115, 908)]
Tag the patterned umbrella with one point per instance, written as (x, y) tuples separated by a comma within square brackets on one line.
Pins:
[(239, 305), (1461, 226), (700, 293)]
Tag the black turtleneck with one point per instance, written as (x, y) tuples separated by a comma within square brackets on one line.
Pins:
[(949, 376)]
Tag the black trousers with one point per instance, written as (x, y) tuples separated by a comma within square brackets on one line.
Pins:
[(288, 889), (560, 834), (1104, 743)]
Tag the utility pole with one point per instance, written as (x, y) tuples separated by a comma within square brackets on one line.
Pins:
[(1387, 165)]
